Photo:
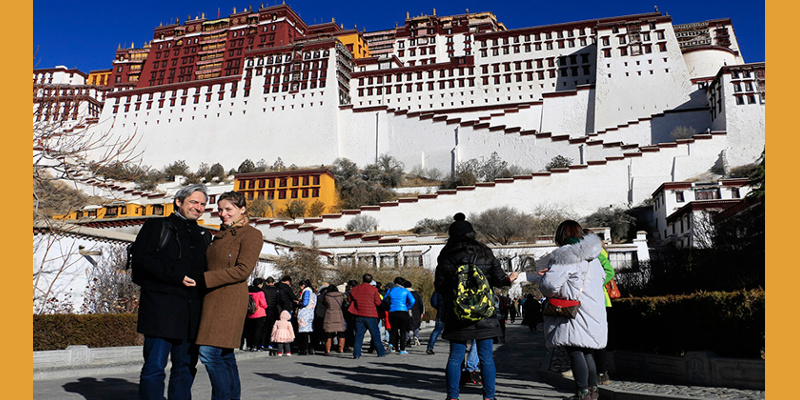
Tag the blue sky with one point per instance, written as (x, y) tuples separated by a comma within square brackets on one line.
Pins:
[(86, 34)]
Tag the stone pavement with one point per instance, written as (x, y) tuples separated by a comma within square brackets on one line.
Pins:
[(416, 376)]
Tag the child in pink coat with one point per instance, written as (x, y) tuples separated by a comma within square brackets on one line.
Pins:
[(283, 334)]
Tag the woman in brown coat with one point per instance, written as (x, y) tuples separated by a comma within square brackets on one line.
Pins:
[(231, 258), (333, 324)]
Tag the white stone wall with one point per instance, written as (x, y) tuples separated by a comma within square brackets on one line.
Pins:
[(625, 182), (60, 271), (627, 85), (745, 123), (706, 63), (296, 127)]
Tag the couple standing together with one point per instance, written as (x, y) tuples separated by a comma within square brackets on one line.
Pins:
[(193, 294)]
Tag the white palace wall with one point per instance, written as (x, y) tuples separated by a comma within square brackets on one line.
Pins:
[(621, 181), (297, 127), (648, 83), (570, 114), (746, 126)]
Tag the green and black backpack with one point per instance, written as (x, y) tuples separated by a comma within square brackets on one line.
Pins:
[(473, 300)]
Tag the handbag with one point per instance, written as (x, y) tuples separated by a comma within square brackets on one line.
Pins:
[(613, 289), (565, 308), (561, 308)]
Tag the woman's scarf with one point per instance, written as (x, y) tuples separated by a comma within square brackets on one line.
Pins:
[(572, 240), (237, 223)]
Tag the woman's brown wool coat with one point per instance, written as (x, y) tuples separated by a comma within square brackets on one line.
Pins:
[(231, 259)]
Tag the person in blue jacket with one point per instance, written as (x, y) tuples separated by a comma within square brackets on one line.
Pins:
[(399, 301)]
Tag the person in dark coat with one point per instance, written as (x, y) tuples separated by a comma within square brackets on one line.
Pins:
[(462, 248), (274, 297), (350, 320), (288, 297), (436, 302), (417, 311), (171, 303), (532, 312)]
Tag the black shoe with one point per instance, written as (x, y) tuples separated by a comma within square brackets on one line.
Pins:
[(475, 378), (429, 351)]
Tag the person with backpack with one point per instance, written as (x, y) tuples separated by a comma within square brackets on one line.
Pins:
[(466, 274), (167, 259)]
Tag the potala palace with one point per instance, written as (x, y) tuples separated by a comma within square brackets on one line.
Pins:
[(635, 101)]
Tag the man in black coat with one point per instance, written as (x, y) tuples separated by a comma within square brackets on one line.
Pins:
[(167, 256), (289, 299), (274, 299)]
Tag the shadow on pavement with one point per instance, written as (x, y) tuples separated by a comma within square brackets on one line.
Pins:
[(351, 386), (93, 389)]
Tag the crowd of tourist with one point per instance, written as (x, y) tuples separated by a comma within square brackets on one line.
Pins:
[(196, 304)]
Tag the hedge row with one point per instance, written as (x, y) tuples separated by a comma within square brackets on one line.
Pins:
[(57, 331), (730, 324)]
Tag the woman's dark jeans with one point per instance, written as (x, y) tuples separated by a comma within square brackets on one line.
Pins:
[(584, 370)]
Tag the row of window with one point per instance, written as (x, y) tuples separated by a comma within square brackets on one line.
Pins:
[(322, 65), (751, 99), (410, 76), (635, 50), (527, 48), (282, 194), (486, 80), (623, 39), (287, 58), (281, 182), (112, 212), (537, 37), (383, 261)]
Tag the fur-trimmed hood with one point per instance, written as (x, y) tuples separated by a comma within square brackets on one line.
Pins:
[(587, 249), (575, 273)]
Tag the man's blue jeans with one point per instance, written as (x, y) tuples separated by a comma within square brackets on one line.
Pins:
[(453, 371), (437, 330), (362, 324), (222, 372), (156, 352)]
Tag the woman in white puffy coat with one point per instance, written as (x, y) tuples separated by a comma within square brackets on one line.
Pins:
[(575, 273)]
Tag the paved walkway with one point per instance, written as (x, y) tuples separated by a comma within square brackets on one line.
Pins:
[(416, 376)]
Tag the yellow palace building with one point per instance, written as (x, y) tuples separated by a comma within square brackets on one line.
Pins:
[(279, 189)]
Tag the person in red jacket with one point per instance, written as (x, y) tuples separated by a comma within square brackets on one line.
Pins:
[(364, 301)]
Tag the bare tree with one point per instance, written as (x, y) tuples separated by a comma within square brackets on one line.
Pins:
[(257, 208), (316, 209), (682, 132), (503, 225), (362, 223), (559, 161), (304, 263), (110, 289), (295, 209), (69, 147)]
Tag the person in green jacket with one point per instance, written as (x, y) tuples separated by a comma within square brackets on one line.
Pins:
[(600, 355)]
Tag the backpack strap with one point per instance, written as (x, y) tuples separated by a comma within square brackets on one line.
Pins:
[(168, 230)]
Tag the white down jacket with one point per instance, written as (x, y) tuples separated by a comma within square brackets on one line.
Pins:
[(568, 265)]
